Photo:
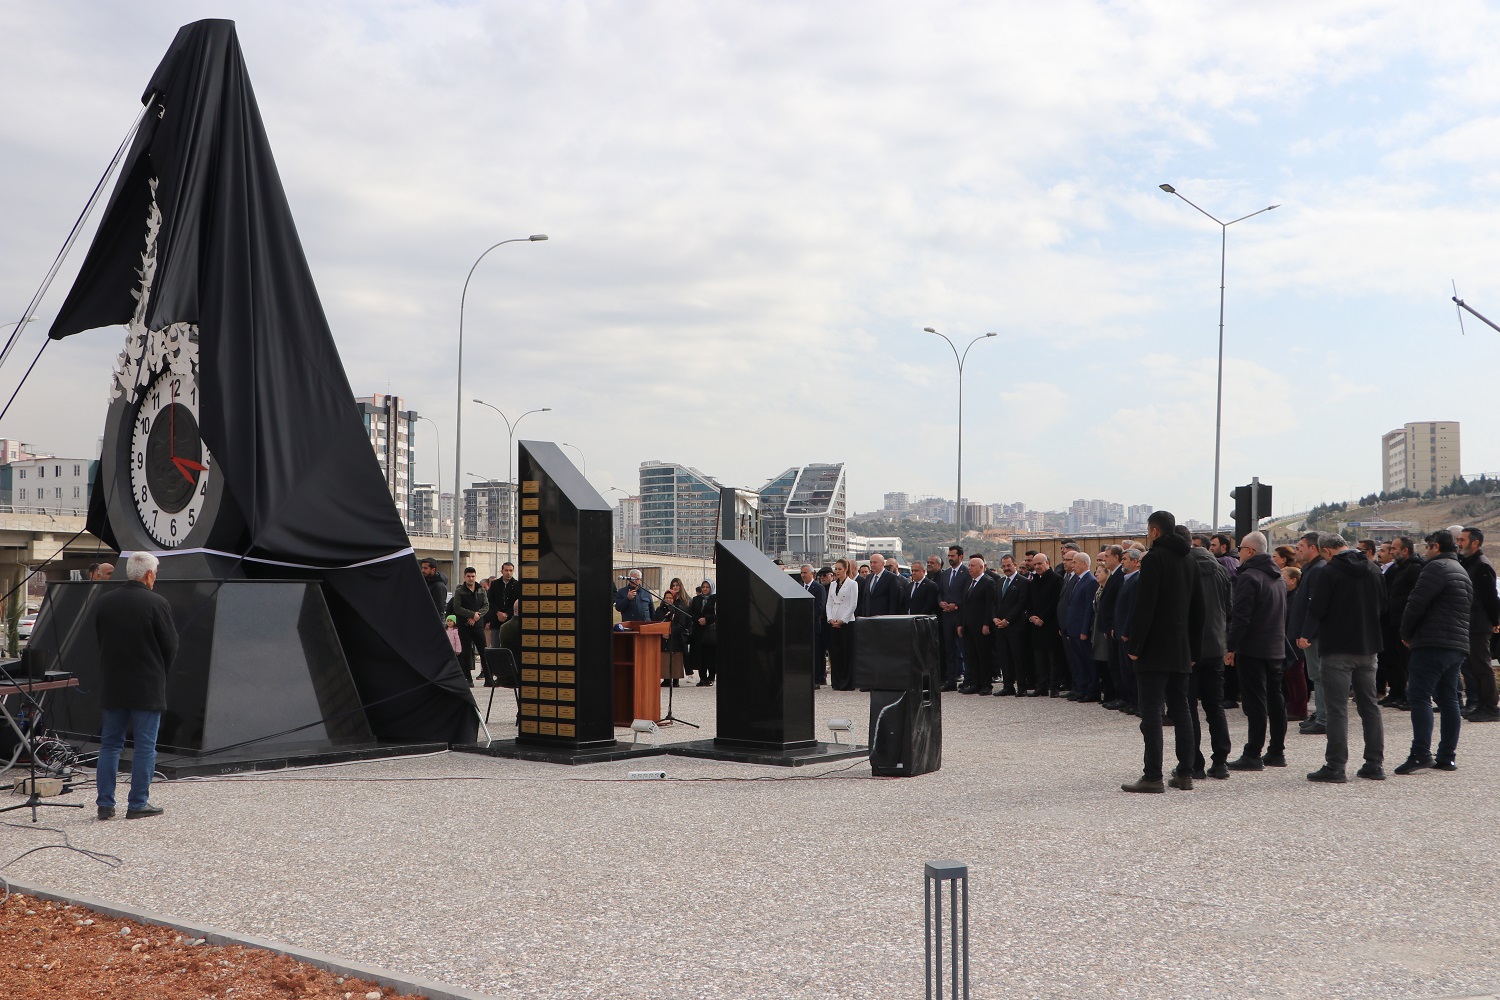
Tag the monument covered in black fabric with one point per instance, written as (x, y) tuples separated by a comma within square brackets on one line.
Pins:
[(277, 412)]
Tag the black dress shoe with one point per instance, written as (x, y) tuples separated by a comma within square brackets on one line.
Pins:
[(1200, 774), (1329, 775), (1246, 762), (1074, 697), (144, 812), (1371, 772), (1054, 694), (1220, 770), (1484, 715), (106, 812), (950, 686), (1444, 765), (1413, 765), (1274, 760), (966, 689)]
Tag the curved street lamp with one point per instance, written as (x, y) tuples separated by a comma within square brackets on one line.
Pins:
[(458, 416), (958, 500), (582, 462), (510, 450), (1219, 394)]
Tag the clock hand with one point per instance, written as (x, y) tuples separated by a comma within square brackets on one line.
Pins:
[(184, 464)]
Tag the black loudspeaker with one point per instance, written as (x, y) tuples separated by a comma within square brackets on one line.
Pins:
[(898, 660)]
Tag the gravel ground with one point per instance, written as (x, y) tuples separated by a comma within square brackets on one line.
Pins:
[(537, 880)]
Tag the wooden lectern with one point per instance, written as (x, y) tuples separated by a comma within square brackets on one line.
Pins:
[(637, 662)]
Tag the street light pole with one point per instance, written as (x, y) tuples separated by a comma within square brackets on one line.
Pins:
[(583, 462), (438, 451), (958, 500), (1219, 392), (510, 451)]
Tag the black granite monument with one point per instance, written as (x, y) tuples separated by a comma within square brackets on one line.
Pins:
[(764, 687), (566, 531)]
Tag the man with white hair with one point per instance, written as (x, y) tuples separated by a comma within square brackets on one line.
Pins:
[(137, 644), (1256, 644), (633, 600)]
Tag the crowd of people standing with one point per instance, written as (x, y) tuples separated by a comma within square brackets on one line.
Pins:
[(1183, 628)]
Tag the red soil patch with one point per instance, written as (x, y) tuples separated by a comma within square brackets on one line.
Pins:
[(56, 951)]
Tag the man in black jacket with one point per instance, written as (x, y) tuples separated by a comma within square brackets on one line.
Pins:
[(137, 644), (1106, 621), (437, 586), (1484, 622), (1166, 633), (1009, 623), (1400, 578), (951, 587), (923, 597), (810, 584), (469, 605), (881, 592), (1206, 684), (1046, 643), (975, 610), (1434, 625), (1256, 644), (1344, 618), (505, 591)]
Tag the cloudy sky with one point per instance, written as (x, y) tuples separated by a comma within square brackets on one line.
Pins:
[(755, 208)]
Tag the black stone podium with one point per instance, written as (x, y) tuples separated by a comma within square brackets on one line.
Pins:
[(764, 692), (260, 680), (898, 659), (566, 531)]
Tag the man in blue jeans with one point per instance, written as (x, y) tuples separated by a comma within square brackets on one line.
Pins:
[(137, 643), (1435, 627)]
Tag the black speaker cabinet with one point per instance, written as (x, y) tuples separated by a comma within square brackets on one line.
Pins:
[(898, 660)]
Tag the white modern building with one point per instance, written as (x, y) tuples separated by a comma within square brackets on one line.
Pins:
[(817, 514), (50, 484)]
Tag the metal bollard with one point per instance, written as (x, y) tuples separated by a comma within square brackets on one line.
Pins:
[(954, 873)]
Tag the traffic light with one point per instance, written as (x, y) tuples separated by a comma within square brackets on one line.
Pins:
[(1251, 503)]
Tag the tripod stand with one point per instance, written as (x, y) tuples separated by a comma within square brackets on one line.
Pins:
[(669, 718), (27, 736)]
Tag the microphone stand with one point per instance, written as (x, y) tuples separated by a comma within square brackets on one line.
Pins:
[(669, 718)]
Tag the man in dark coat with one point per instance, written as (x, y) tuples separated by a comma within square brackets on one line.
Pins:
[(951, 586), (1206, 684), (1484, 622), (1400, 579), (1009, 628), (505, 591), (976, 609), (923, 597), (1256, 645), (469, 605), (1078, 625), (1108, 599), (880, 593), (1434, 626), (1166, 634), (137, 644), (820, 624), (1130, 582), (1344, 618), (1046, 642), (437, 586)]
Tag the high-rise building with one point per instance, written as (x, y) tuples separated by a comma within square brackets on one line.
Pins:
[(897, 501), (773, 498), (628, 524), (393, 435), (422, 515), (1420, 456), (445, 513), (817, 514), (487, 510), (679, 510)]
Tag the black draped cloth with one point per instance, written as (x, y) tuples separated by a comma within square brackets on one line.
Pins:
[(277, 411)]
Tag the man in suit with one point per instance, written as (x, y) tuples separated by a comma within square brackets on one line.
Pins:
[(976, 609), (1010, 634), (879, 593), (1078, 623), (955, 580), (1046, 642), (1112, 555), (137, 644), (1166, 633), (1069, 579), (820, 623), (922, 598)]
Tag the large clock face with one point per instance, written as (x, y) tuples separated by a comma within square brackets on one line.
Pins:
[(169, 465)]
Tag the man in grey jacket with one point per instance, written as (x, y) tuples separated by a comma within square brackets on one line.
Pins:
[(1435, 627), (1310, 558)]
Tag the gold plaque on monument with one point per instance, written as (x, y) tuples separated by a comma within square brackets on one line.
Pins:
[(531, 486)]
